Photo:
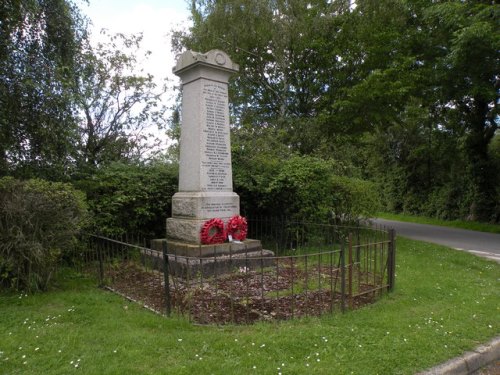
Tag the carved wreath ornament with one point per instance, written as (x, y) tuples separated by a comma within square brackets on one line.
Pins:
[(213, 231)]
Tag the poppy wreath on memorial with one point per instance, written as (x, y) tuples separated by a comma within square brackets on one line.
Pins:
[(212, 232), (237, 228)]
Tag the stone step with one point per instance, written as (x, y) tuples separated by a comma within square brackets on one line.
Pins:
[(195, 250), (190, 267)]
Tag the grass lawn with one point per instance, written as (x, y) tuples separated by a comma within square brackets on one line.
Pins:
[(445, 303), (461, 224)]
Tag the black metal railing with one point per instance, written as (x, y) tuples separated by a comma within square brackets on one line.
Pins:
[(314, 269)]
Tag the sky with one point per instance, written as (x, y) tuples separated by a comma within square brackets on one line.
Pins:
[(155, 19)]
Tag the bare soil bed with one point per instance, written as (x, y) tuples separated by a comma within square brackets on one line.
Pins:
[(241, 297)]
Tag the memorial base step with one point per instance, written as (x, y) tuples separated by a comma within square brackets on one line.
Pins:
[(209, 260), (196, 250)]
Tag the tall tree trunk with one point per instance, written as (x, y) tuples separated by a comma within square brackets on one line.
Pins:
[(483, 172)]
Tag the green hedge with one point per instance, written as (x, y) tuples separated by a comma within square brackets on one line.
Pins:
[(39, 221), (131, 199), (304, 188)]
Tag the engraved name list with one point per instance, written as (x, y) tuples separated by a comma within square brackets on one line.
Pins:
[(216, 157)]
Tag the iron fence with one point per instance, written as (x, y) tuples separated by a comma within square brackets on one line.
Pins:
[(313, 269)]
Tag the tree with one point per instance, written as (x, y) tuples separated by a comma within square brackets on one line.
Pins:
[(64, 103), (468, 67), (115, 101), (38, 44), (39, 222), (402, 92), (446, 60), (280, 81), (427, 69)]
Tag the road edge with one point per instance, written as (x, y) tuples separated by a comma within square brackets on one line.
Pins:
[(470, 361)]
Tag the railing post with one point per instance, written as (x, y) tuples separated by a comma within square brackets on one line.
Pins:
[(166, 276), (358, 250), (391, 261), (101, 261), (342, 276), (350, 272)]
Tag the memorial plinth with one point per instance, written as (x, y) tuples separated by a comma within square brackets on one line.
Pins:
[(205, 172)]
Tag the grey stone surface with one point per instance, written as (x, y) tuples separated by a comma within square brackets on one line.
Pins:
[(196, 250), (205, 171), (212, 266), (452, 367), (189, 267), (205, 149), (205, 205), (186, 229), (469, 362), (474, 361), (210, 59), (489, 352)]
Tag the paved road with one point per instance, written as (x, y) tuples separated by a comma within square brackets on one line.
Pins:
[(479, 243)]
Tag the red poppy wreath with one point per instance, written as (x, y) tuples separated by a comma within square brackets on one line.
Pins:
[(237, 228), (212, 232)]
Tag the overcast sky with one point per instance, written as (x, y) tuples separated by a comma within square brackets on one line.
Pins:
[(155, 19)]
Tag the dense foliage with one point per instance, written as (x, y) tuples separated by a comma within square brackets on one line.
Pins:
[(69, 110), (66, 106), (340, 108), (131, 199), (39, 222), (38, 44), (404, 93), (304, 188)]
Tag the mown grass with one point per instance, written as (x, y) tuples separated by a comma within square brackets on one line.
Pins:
[(461, 224), (445, 303)]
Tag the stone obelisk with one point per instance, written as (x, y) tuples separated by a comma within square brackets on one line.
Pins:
[(205, 172)]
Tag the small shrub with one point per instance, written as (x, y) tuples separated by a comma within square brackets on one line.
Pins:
[(307, 188), (131, 198), (301, 188), (353, 198), (38, 224)]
